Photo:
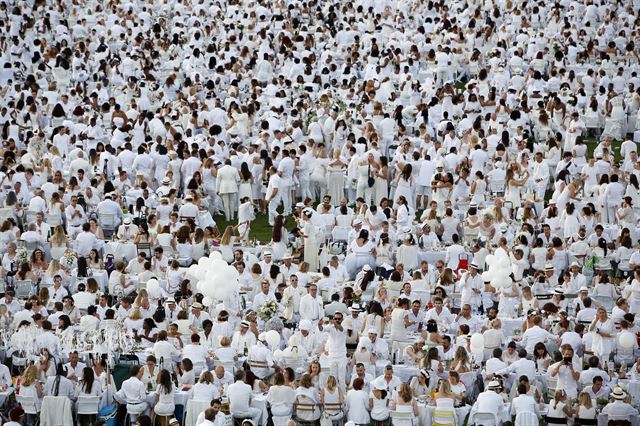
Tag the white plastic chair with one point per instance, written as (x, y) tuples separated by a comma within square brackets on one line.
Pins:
[(485, 419), (28, 404), (401, 418), (280, 413), (88, 405), (527, 418), (444, 417), (192, 410)]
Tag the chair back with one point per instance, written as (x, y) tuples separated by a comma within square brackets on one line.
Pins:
[(23, 288), (485, 419), (333, 410), (527, 418), (193, 409), (555, 420), (306, 410), (401, 418), (88, 405), (585, 422), (443, 417), (28, 404)]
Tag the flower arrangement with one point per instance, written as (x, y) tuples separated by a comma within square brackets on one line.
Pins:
[(21, 256), (69, 258), (268, 310)]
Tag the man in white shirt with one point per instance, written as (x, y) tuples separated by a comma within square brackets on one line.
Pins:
[(488, 402), (453, 252), (86, 240), (594, 370), (273, 194), (336, 347), (439, 313), (523, 402), (494, 364), (311, 306), (522, 367), (127, 232), (618, 409), (260, 358), (164, 351), (535, 335), (388, 380), (586, 314), (371, 343), (133, 392), (243, 338), (75, 217), (239, 394), (472, 285), (74, 367), (264, 296)]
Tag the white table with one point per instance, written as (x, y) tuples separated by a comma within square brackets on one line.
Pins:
[(426, 413), (181, 397), (403, 372), (120, 250), (101, 277), (432, 256), (510, 324)]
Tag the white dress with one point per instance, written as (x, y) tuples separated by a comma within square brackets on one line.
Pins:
[(614, 125), (335, 184), (405, 188), (166, 405), (398, 329), (311, 245), (359, 256), (602, 346)]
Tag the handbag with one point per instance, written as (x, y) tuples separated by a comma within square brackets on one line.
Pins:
[(325, 420), (370, 181)]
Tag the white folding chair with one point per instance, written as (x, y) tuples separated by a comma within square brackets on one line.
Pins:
[(88, 405), (485, 419), (527, 418), (401, 418)]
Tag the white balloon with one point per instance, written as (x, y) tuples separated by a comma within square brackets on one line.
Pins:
[(490, 259), (204, 262), (215, 255), (477, 342), (153, 286), (627, 340), (278, 354), (193, 270), (273, 338), (486, 276), (207, 301), (218, 265)]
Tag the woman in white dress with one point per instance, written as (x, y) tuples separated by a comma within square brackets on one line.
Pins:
[(404, 401), (514, 185), (279, 238), (478, 189), (408, 253), (246, 182), (570, 222), (400, 321), (332, 399), (634, 293), (585, 409), (381, 176), (614, 123), (357, 403), (405, 187), (334, 177), (603, 331), (362, 252), (559, 406), (311, 243), (165, 405), (364, 172)]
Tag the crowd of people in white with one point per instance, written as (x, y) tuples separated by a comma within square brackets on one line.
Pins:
[(402, 153)]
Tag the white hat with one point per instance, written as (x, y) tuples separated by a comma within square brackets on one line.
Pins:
[(267, 253), (170, 299), (127, 221), (305, 325), (583, 288), (372, 331), (618, 393), (355, 308), (574, 264), (494, 384), (548, 267), (357, 222), (558, 291), (366, 268)]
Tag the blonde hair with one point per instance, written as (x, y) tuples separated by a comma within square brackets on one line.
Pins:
[(445, 387), (225, 341), (135, 314), (331, 383), (29, 376), (496, 323), (206, 377), (405, 393), (560, 393), (584, 399)]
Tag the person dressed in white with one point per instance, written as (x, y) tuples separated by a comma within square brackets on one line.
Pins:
[(133, 392), (227, 186), (488, 401), (336, 347), (311, 306), (603, 331), (239, 394), (619, 409)]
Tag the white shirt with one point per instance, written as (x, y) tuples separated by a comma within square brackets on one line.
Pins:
[(239, 394)]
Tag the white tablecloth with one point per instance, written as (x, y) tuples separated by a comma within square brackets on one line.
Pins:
[(181, 397), (120, 250), (404, 372), (426, 413), (431, 256), (510, 324), (101, 276)]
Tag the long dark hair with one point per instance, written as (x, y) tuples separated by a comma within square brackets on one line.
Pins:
[(164, 381), (245, 172), (278, 224), (87, 379)]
